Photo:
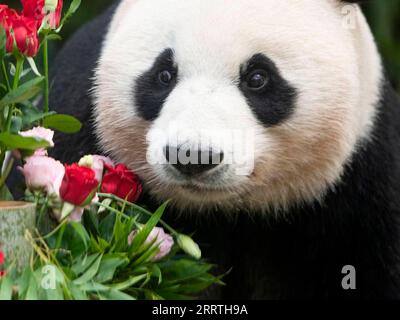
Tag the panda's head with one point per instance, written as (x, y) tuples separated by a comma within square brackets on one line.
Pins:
[(252, 104)]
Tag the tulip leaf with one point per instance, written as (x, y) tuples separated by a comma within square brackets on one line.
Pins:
[(14, 141), (23, 93), (63, 123)]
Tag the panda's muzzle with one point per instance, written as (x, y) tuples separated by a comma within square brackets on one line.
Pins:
[(190, 162)]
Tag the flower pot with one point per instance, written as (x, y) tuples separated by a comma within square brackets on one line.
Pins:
[(15, 219)]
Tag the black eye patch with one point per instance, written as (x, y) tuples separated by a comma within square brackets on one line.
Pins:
[(268, 94), (154, 86)]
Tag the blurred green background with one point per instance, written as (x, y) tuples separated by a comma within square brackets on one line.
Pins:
[(383, 15)]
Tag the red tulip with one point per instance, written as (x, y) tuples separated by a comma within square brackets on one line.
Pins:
[(122, 182), (79, 185)]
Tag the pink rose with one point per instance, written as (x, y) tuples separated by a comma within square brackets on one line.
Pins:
[(40, 133), (43, 173), (162, 239)]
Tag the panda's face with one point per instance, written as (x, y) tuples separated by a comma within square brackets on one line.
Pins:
[(248, 104)]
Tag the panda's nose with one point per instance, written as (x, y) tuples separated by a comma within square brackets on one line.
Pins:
[(192, 162)]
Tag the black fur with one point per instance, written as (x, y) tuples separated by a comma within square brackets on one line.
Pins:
[(302, 254), (150, 93), (275, 102)]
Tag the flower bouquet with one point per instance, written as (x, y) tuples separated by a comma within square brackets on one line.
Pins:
[(78, 233)]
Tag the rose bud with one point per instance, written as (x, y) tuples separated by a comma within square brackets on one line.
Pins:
[(6, 16), (79, 185), (96, 163), (163, 240), (122, 182), (54, 17), (24, 33), (188, 246), (43, 174)]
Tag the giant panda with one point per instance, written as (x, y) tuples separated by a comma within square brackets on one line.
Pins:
[(323, 193)]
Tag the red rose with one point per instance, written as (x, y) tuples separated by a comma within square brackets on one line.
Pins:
[(25, 35), (122, 182), (34, 9), (37, 9), (79, 185), (21, 30), (6, 17)]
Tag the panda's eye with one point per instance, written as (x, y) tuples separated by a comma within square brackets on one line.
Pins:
[(165, 77), (257, 80)]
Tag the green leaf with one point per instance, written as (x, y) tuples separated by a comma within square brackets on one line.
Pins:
[(16, 125), (109, 265), (83, 263), (31, 114), (6, 288), (129, 283), (156, 272), (14, 141), (54, 37), (142, 235), (81, 231), (33, 66), (63, 123), (32, 293), (75, 4), (5, 194), (115, 295), (90, 273), (23, 93)]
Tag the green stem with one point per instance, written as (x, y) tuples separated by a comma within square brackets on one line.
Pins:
[(5, 75), (52, 233), (134, 206), (19, 67), (46, 74)]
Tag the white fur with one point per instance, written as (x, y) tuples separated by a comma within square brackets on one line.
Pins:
[(336, 71)]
